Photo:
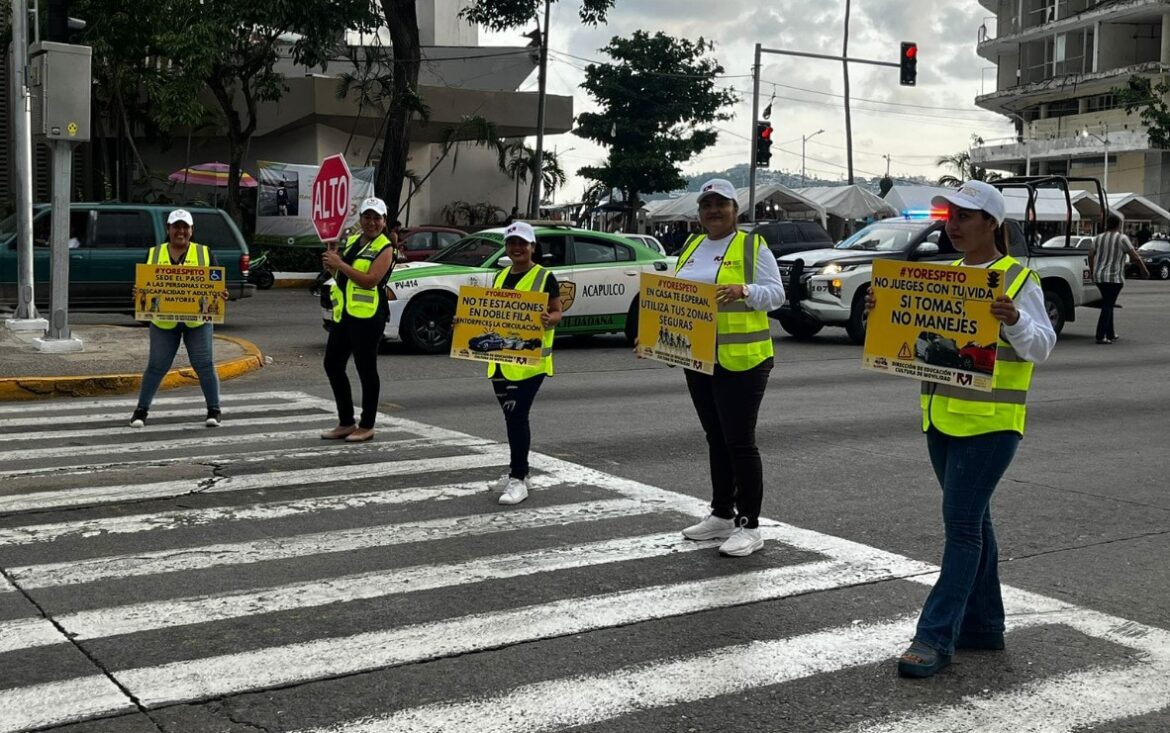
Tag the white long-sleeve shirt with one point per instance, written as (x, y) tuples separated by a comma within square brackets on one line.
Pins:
[(1032, 337), (765, 294)]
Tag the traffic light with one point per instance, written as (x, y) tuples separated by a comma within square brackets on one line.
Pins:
[(763, 144), (909, 64)]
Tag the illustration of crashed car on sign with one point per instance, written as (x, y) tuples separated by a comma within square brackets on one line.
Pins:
[(496, 342)]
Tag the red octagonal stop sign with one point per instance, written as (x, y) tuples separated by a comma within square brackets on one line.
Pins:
[(331, 197)]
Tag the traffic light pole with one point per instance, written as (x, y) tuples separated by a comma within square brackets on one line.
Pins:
[(755, 116), (756, 102)]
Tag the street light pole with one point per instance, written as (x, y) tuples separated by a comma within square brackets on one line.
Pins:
[(1105, 142), (804, 139), (887, 157)]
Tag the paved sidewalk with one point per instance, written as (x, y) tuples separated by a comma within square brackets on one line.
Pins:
[(111, 363)]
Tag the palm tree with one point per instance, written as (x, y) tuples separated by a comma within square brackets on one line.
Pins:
[(961, 164), (474, 129), (372, 82), (517, 161)]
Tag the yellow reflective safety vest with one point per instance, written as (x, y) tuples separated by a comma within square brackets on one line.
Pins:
[(533, 280), (357, 301), (197, 256), (962, 412), (743, 339)]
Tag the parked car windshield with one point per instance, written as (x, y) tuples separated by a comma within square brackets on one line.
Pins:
[(883, 236), (469, 252), (1160, 246)]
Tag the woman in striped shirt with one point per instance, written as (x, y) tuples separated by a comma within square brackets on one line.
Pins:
[(1107, 263)]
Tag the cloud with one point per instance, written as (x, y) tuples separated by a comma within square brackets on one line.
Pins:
[(808, 92)]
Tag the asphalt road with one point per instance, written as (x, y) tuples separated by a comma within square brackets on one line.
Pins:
[(140, 545)]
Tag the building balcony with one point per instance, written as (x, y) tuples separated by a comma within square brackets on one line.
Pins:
[(312, 100), (1012, 152), (995, 39), (1063, 87)]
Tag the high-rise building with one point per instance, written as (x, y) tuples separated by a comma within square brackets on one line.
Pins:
[(1057, 64)]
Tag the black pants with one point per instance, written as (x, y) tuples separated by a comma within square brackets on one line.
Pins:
[(728, 404), (516, 399), (1109, 293), (358, 337)]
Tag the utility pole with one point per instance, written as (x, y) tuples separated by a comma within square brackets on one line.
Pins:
[(848, 117), (538, 163), (755, 116), (887, 157), (26, 317)]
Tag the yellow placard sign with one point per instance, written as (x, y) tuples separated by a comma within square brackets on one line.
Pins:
[(499, 325), (168, 293), (677, 322), (933, 323)]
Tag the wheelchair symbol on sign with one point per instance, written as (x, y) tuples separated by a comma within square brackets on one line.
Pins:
[(216, 276)]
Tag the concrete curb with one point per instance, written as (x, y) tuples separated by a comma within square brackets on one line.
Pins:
[(37, 388), (294, 279)]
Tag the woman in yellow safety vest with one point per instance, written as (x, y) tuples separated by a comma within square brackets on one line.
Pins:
[(360, 310), (748, 286), (516, 386), (972, 436), (165, 336)]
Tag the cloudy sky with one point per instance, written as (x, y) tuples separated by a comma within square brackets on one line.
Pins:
[(913, 125)]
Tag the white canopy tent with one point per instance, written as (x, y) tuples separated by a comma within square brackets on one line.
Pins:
[(1134, 208), (1050, 203), (787, 202), (847, 204)]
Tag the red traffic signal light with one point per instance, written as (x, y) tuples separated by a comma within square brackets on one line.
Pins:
[(763, 144), (908, 64)]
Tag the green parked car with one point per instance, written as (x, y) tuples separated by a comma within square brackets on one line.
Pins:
[(599, 276), (106, 241)]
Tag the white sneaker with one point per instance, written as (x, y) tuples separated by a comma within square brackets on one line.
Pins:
[(516, 492), (742, 542), (500, 484), (711, 528)]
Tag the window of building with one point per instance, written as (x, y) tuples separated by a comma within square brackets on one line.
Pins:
[(1100, 103)]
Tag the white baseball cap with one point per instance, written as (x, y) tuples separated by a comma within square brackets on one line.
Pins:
[(520, 229), (181, 215), (373, 203), (717, 187), (975, 195)]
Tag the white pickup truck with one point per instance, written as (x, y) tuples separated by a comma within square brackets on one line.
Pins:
[(826, 287)]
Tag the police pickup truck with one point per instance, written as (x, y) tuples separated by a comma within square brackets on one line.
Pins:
[(599, 276), (827, 287)]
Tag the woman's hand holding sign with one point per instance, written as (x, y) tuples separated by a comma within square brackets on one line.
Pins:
[(870, 300), (1005, 310), (728, 293)]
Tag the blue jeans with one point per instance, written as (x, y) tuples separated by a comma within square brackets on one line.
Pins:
[(966, 597), (164, 344)]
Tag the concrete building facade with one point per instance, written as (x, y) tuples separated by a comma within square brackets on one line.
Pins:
[(1057, 64)]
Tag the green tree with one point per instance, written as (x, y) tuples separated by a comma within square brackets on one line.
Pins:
[(169, 50), (659, 99), (371, 81), (1149, 100), (401, 19)]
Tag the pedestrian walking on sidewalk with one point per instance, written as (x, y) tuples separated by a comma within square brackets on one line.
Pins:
[(516, 386), (197, 336), (360, 271), (972, 436), (1107, 257), (748, 286)]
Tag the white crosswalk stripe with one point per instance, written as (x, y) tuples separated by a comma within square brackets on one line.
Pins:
[(296, 562)]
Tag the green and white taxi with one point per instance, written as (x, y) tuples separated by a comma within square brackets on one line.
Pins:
[(598, 273)]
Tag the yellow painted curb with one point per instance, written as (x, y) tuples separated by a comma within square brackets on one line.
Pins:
[(37, 388)]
